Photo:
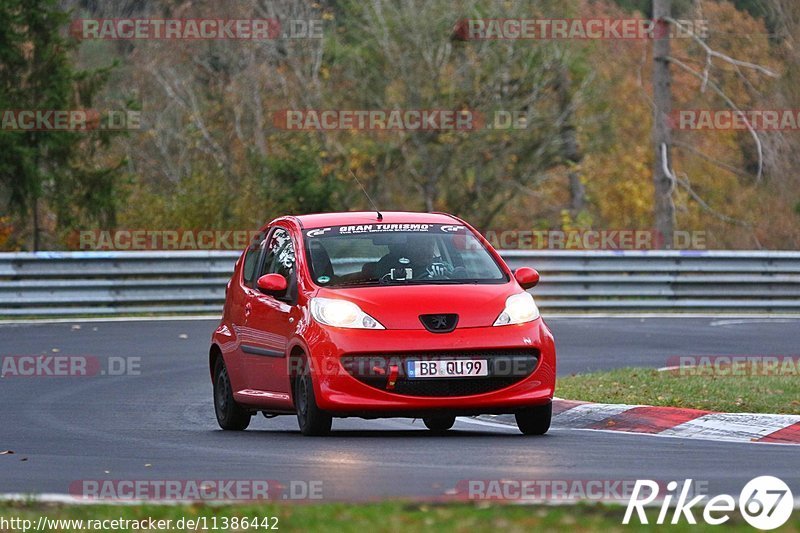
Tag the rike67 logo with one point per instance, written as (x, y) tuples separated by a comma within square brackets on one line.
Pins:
[(765, 502)]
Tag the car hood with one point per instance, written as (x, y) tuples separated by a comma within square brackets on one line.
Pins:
[(399, 306)]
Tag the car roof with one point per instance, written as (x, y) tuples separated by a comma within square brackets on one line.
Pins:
[(321, 220)]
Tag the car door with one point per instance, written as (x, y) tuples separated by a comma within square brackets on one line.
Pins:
[(269, 319)]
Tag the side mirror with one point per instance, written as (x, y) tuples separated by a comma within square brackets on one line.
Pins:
[(526, 277), (272, 283)]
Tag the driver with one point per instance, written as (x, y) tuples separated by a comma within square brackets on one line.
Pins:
[(418, 254)]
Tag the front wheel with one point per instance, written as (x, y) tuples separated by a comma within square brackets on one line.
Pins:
[(230, 415), (439, 424), (535, 420), (313, 421)]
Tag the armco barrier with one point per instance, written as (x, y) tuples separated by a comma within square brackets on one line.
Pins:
[(102, 283)]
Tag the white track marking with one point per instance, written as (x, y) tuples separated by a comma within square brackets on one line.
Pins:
[(735, 322), (72, 500), (48, 497), (675, 437), (590, 413), (485, 423), (739, 427), (720, 427)]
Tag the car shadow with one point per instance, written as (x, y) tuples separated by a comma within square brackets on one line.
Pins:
[(383, 433)]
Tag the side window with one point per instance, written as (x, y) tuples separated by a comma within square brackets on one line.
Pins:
[(284, 261), (279, 257), (250, 265)]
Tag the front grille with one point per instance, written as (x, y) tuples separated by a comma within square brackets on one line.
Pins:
[(451, 386), (506, 367), (442, 323)]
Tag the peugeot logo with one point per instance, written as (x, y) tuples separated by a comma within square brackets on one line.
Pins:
[(442, 323), (439, 322)]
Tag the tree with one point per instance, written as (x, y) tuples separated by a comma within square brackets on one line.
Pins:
[(417, 55), (665, 179), (664, 209), (46, 171)]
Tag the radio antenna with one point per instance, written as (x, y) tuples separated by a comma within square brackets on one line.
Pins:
[(375, 207)]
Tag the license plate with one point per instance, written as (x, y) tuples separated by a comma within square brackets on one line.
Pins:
[(453, 368)]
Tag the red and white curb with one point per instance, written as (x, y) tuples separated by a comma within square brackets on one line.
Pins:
[(677, 422)]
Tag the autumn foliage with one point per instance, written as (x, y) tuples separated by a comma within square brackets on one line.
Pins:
[(210, 155)]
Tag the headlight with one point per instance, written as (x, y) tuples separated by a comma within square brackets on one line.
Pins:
[(342, 314), (520, 308)]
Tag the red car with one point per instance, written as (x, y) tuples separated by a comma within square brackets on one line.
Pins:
[(380, 315)]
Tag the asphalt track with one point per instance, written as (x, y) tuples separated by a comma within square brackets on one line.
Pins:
[(160, 424)]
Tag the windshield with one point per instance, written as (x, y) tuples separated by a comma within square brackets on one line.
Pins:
[(393, 254)]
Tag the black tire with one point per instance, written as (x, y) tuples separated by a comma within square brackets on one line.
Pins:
[(439, 424), (535, 420), (312, 420), (230, 415)]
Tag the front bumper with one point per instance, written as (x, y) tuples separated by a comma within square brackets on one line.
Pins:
[(339, 392)]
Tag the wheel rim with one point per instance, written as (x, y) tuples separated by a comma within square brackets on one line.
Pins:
[(302, 398), (223, 388)]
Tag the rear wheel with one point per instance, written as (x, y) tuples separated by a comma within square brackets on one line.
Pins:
[(312, 420), (535, 420), (439, 424), (230, 415)]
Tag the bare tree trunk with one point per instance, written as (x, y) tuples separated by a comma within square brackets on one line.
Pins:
[(662, 142), (569, 142)]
